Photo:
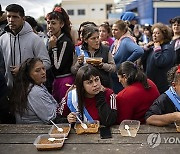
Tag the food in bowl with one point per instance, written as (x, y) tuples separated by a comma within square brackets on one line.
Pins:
[(93, 127), (95, 60), (42, 143), (55, 133), (133, 127)]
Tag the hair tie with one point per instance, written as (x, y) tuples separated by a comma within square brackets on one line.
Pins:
[(178, 70), (57, 9), (135, 66)]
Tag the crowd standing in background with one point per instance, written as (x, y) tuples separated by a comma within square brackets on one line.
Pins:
[(129, 83)]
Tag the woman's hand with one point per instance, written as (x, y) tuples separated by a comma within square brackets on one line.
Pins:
[(81, 59), (102, 88), (157, 44), (71, 117), (151, 43), (52, 42), (14, 70), (105, 43)]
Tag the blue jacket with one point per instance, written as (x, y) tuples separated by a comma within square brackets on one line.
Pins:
[(127, 51)]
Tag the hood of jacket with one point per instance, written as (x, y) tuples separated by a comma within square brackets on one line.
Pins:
[(25, 29)]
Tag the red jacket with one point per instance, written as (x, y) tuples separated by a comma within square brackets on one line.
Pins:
[(133, 101)]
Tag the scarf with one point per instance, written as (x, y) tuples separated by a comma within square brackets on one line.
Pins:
[(79, 52), (72, 103), (118, 42)]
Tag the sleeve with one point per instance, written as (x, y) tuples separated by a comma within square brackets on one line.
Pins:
[(110, 66), (43, 105), (2, 64), (135, 50), (106, 113), (75, 66), (62, 108), (41, 52), (157, 108), (164, 56), (62, 111)]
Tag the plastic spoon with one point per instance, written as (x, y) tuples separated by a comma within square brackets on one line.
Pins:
[(58, 128), (127, 128), (57, 139), (82, 124)]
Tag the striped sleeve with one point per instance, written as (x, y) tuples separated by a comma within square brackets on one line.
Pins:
[(113, 101)]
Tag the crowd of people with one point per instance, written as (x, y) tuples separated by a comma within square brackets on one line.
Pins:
[(47, 76)]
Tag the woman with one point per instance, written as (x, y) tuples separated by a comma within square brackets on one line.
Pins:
[(138, 93), (123, 49), (81, 27), (105, 34), (137, 33), (30, 100), (166, 108), (91, 47), (90, 99), (147, 35), (159, 56), (175, 24), (61, 50)]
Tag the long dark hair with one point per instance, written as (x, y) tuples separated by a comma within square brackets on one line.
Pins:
[(86, 23), (133, 74), (84, 73), (21, 89), (87, 32), (60, 14)]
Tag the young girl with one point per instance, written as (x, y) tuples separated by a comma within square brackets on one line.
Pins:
[(166, 108), (30, 100), (138, 93), (61, 50), (105, 34), (89, 100)]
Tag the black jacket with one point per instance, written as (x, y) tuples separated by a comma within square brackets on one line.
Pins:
[(162, 105)]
